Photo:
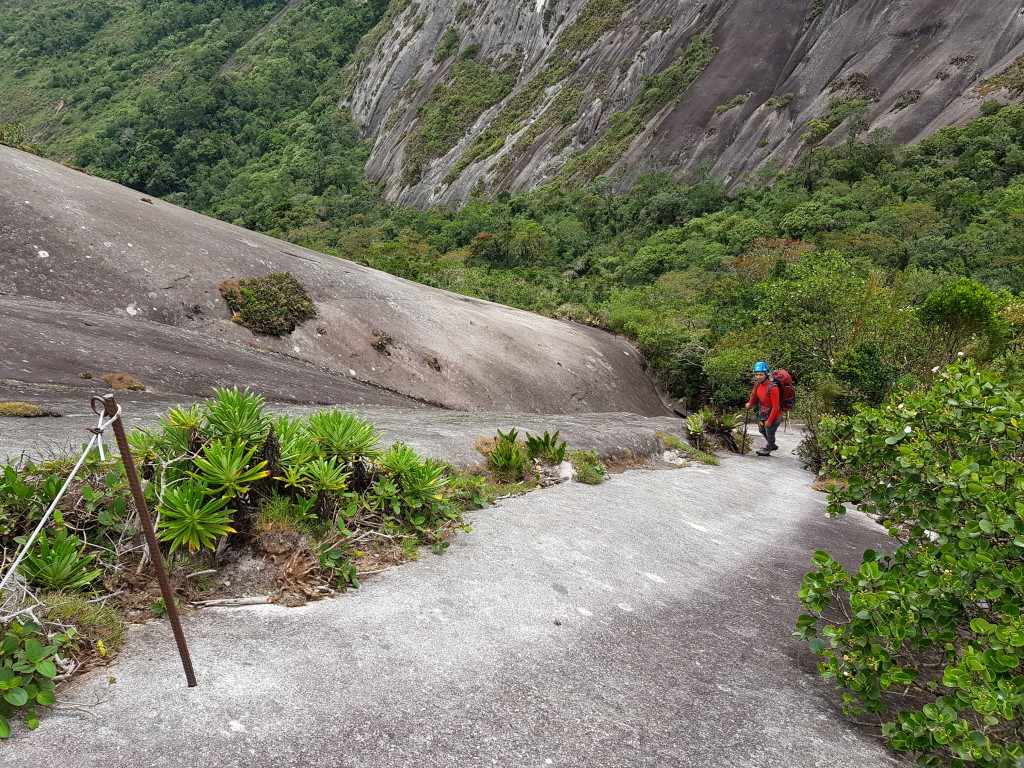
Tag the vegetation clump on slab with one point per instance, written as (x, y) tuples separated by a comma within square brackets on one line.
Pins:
[(658, 91), (274, 305), (595, 19), (536, 459), (673, 443), (123, 382), (24, 410)]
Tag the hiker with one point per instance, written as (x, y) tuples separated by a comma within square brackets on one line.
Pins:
[(766, 399)]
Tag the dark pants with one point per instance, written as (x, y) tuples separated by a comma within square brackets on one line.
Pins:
[(768, 431)]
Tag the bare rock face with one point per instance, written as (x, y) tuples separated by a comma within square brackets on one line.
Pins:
[(99, 279), (487, 95)]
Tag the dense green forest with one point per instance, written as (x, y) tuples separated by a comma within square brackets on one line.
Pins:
[(865, 265)]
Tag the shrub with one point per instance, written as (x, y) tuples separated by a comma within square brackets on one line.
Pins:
[(991, 107), (588, 466), (779, 102), (274, 305), (934, 630), (736, 101), (27, 670), (728, 374), (962, 311), (448, 45)]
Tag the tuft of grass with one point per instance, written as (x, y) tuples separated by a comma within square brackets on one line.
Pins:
[(279, 512), (675, 444), (99, 629), (485, 445), (25, 410), (411, 548), (588, 466)]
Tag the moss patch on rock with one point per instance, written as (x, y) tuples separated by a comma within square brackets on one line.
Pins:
[(123, 382), (24, 410), (274, 305)]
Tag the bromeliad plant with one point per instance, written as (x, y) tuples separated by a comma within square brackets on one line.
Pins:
[(209, 462), (507, 458), (228, 469), (59, 563), (190, 517), (933, 631), (546, 447)]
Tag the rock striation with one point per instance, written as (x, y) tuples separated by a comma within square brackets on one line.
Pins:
[(478, 96)]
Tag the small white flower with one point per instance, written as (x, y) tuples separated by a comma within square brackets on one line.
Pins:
[(908, 429), (959, 354), (900, 406), (935, 369)]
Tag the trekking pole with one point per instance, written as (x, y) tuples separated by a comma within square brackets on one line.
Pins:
[(746, 417)]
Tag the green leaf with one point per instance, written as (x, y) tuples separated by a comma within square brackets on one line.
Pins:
[(46, 698), (16, 697), (981, 626), (816, 644), (46, 668), (5, 728)]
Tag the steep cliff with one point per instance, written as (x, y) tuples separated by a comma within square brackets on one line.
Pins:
[(466, 96)]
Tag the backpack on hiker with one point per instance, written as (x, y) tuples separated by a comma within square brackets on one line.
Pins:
[(787, 393)]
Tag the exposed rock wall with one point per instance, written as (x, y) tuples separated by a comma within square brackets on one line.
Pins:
[(571, 65)]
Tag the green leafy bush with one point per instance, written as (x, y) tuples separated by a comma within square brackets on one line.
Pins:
[(27, 670), (933, 631), (448, 45), (588, 466)]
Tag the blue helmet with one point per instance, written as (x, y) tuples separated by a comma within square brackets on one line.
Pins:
[(761, 368)]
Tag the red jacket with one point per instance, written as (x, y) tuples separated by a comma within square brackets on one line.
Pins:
[(768, 399)]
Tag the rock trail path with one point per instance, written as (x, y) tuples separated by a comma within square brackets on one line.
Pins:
[(643, 623)]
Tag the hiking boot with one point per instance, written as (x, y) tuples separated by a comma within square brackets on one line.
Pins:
[(763, 452), (771, 448)]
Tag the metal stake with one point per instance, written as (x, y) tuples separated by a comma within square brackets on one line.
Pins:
[(110, 409)]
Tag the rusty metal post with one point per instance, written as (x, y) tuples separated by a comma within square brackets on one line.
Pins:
[(110, 410)]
